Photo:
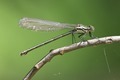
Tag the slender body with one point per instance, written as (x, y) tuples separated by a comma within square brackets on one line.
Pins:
[(38, 24)]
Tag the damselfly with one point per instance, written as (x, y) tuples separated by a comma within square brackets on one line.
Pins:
[(38, 24)]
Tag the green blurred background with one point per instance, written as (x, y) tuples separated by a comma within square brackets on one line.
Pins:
[(83, 64)]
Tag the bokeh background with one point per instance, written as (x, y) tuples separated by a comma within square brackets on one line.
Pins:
[(83, 64)]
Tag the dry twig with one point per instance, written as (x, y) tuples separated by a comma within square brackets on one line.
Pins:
[(62, 50)]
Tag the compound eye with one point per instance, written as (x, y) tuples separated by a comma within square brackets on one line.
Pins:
[(91, 27)]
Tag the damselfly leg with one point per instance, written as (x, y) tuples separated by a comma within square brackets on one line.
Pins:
[(73, 38)]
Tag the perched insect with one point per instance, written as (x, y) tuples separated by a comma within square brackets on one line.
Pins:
[(38, 24)]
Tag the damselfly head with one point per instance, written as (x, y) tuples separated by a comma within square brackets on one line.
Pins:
[(91, 28)]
